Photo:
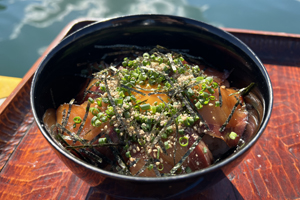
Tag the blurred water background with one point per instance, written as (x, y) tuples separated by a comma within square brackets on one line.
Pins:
[(27, 27)]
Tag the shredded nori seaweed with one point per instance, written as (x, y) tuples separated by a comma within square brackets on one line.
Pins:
[(220, 97), (230, 116), (191, 149), (65, 120), (133, 90), (124, 168), (84, 118), (94, 145)]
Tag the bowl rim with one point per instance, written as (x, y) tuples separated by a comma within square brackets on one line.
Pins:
[(76, 35)]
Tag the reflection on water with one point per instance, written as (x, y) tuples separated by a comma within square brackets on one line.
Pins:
[(47, 12), (28, 27)]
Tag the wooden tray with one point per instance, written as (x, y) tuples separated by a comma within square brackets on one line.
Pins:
[(31, 170)]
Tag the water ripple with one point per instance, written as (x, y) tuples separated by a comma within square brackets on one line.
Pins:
[(46, 12)]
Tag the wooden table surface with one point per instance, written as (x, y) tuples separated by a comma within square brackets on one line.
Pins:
[(29, 169)]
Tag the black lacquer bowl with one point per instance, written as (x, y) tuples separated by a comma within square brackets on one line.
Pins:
[(55, 81)]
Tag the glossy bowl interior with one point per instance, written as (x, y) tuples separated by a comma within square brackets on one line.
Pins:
[(55, 82)]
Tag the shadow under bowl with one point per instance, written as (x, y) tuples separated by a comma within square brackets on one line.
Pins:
[(55, 81)]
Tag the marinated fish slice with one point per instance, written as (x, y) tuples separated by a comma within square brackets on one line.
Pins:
[(199, 158), (88, 132), (215, 117)]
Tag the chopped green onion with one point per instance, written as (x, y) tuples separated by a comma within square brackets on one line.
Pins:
[(95, 122), (130, 63), (132, 97), (102, 87), (181, 131), (209, 79), (160, 60), (199, 78), (105, 100), (210, 90), (119, 102), (99, 101), (126, 146), (100, 114), (102, 140), (164, 136), (167, 145), (232, 135), (146, 55), (145, 106), (204, 150), (212, 97), (158, 152), (153, 109), (206, 101), (94, 110), (181, 141), (215, 85), (91, 100), (206, 95), (188, 170), (160, 167), (142, 141), (110, 110), (77, 120), (150, 167), (117, 130), (124, 63), (198, 105), (128, 154), (103, 118), (189, 121), (169, 130), (121, 93), (190, 92), (126, 114), (168, 85)]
